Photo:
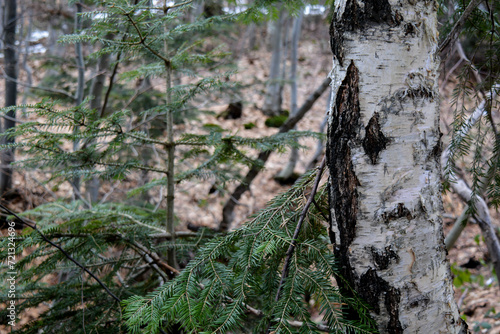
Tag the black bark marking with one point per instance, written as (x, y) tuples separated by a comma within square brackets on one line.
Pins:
[(371, 288), (436, 150), (399, 211), (358, 17), (392, 299), (342, 133), (410, 29), (374, 141), (382, 258), (418, 301)]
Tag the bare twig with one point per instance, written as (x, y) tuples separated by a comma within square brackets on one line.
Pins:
[(463, 57), (320, 327), (105, 197), (110, 85), (112, 77)]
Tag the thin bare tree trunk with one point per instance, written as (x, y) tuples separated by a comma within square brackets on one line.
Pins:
[(26, 67), (7, 156), (170, 222), (383, 155), (287, 172), (80, 85), (272, 100), (96, 103), (2, 23)]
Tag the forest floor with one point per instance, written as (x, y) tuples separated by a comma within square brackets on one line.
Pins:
[(478, 295)]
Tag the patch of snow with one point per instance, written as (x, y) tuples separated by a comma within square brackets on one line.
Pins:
[(38, 35)]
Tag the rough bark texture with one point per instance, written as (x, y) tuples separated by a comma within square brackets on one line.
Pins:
[(383, 154)]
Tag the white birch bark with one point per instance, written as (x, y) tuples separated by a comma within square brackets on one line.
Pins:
[(383, 154)]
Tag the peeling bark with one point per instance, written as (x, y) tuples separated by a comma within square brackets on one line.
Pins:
[(383, 155)]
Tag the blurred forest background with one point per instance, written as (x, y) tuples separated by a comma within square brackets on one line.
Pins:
[(139, 132)]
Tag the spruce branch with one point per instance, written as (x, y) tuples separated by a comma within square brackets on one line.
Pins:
[(68, 256), (291, 248), (113, 74), (164, 235), (141, 167), (142, 38)]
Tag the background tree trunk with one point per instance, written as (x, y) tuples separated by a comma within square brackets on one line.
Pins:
[(287, 171), (383, 154), (272, 100), (10, 92), (96, 103), (26, 11), (80, 86)]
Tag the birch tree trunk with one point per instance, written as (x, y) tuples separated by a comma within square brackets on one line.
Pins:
[(383, 154)]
